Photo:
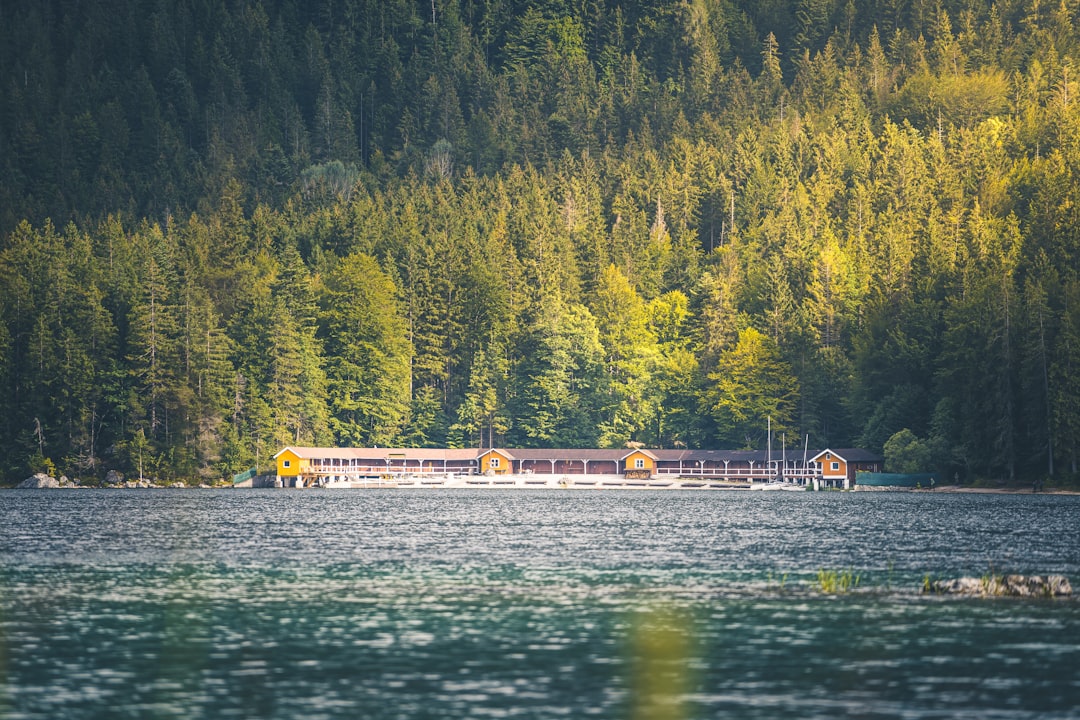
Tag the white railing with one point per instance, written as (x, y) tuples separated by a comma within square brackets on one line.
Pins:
[(762, 473), (717, 472), (742, 473), (385, 470)]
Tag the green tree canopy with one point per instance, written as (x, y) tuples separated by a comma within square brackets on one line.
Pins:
[(751, 388)]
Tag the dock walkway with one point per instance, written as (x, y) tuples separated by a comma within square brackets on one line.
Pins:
[(554, 482)]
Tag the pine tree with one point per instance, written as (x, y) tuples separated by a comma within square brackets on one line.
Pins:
[(559, 380), (152, 344), (367, 354), (751, 388), (630, 353)]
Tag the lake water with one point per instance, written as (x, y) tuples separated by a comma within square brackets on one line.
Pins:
[(529, 604)]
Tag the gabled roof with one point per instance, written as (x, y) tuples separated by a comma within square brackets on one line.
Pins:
[(508, 454), (849, 455)]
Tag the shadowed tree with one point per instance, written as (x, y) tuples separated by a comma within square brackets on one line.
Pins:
[(368, 353)]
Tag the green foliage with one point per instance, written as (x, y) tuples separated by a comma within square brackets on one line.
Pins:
[(905, 453), (367, 354), (559, 382), (330, 181), (751, 386), (630, 355), (225, 229), (837, 582), (39, 464)]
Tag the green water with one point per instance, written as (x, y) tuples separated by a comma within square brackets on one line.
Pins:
[(529, 604)]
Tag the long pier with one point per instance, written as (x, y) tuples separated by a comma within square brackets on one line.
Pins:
[(375, 478)]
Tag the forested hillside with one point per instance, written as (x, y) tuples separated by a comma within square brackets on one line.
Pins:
[(229, 225)]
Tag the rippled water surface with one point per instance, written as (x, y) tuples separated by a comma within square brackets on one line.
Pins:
[(529, 604)]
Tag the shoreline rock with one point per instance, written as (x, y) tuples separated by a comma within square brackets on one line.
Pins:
[(39, 481), (1004, 586)]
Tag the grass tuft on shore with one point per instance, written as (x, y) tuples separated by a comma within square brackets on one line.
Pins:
[(837, 582)]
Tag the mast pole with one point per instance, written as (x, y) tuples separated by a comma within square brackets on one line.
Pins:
[(768, 449), (805, 447)]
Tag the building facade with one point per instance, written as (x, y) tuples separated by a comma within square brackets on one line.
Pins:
[(310, 466)]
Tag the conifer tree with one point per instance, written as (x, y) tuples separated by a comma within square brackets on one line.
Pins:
[(367, 354), (751, 388)]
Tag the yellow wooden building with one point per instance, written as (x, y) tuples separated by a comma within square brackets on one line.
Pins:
[(314, 466)]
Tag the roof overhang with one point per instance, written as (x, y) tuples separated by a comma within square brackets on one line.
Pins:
[(498, 451), (827, 451), (643, 451)]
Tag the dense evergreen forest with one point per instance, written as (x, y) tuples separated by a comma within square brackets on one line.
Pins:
[(228, 225)]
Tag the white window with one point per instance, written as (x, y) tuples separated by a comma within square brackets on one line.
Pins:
[(494, 461), (836, 466), (639, 463), (287, 463)]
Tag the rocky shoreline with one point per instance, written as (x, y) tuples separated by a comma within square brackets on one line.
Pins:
[(1003, 586), (113, 479)]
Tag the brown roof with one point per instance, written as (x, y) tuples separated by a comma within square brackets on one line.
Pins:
[(590, 454), (714, 456), (688, 457), (384, 454), (850, 455)]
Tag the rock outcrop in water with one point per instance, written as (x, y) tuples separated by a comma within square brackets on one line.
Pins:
[(39, 480), (1004, 585)]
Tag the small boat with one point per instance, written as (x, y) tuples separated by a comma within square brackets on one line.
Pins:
[(777, 486)]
